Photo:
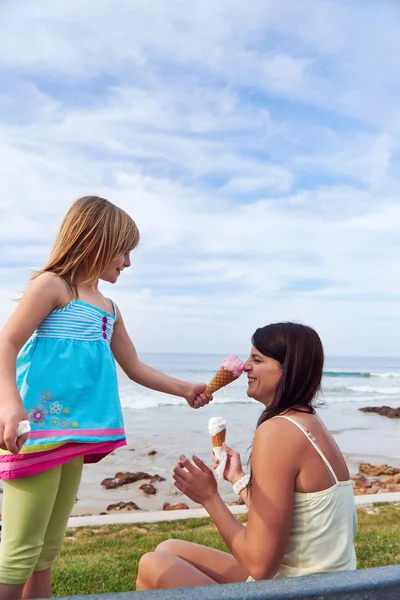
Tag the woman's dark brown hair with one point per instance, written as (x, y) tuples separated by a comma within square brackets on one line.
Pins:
[(299, 350)]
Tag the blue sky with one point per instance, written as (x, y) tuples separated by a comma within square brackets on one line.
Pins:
[(256, 146)]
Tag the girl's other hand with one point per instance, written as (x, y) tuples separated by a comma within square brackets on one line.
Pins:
[(195, 397), (233, 470), (11, 415), (196, 480)]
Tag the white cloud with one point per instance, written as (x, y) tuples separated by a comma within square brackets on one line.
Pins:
[(255, 147)]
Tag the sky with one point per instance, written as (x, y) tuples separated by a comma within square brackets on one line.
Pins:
[(256, 145)]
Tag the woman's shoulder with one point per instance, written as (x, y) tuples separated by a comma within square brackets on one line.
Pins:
[(280, 429), (276, 424), (273, 430), (276, 443)]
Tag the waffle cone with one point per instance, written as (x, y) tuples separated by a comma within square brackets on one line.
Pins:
[(220, 380), (219, 438)]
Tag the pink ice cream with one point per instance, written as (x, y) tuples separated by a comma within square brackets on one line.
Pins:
[(231, 369), (234, 364)]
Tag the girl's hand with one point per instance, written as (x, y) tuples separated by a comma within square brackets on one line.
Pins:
[(233, 470), (195, 397), (196, 481), (11, 415)]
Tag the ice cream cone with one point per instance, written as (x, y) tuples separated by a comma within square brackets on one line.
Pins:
[(220, 380), (218, 439), (231, 369), (217, 431)]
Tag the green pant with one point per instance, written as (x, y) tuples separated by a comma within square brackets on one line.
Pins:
[(35, 511)]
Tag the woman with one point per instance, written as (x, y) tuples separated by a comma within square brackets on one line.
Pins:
[(302, 517)]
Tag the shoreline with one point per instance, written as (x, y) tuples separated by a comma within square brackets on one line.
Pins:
[(157, 436), (196, 513), (93, 499)]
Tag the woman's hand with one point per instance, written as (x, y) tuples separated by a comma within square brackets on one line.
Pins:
[(196, 481), (233, 469), (195, 397)]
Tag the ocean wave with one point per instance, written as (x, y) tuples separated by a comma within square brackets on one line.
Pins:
[(360, 389), (145, 402), (361, 396), (353, 374), (360, 374), (193, 373), (386, 391), (333, 391), (153, 400), (386, 375), (208, 374)]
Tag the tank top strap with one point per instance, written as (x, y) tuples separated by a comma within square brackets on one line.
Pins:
[(312, 441), (66, 285), (114, 307)]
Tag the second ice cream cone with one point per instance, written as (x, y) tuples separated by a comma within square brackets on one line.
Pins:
[(217, 431), (218, 439)]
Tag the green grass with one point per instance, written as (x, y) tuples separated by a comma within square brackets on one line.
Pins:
[(104, 559), (378, 539)]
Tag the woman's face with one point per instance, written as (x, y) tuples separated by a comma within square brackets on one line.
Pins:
[(263, 374)]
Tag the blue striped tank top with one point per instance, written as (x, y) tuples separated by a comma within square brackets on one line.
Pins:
[(67, 379)]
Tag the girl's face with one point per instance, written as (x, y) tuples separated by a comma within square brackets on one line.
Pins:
[(263, 374), (114, 269)]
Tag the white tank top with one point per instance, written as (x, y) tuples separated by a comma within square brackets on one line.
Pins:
[(324, 524)]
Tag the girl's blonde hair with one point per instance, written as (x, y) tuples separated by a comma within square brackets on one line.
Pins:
[(93, 233)]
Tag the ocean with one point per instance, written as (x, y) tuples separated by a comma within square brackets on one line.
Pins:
[(345, 380)]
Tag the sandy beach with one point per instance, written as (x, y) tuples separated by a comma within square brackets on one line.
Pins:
[(172, 430)]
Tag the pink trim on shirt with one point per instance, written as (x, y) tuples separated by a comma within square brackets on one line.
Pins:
[(75, 432), (42, 461)]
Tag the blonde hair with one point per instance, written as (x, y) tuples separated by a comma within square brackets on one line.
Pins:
[(93, 233)]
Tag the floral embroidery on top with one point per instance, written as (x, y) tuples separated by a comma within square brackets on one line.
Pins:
[(39, 413), (55, 408)]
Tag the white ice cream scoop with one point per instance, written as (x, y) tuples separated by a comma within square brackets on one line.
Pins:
[(216, 425)]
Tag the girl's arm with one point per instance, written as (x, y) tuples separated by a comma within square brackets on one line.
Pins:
[(126, 356), (259, 547), (41, 297)]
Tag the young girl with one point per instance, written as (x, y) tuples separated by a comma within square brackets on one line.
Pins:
[(57, 370)]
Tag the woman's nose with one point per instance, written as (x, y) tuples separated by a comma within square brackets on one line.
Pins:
[(247, 366)]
